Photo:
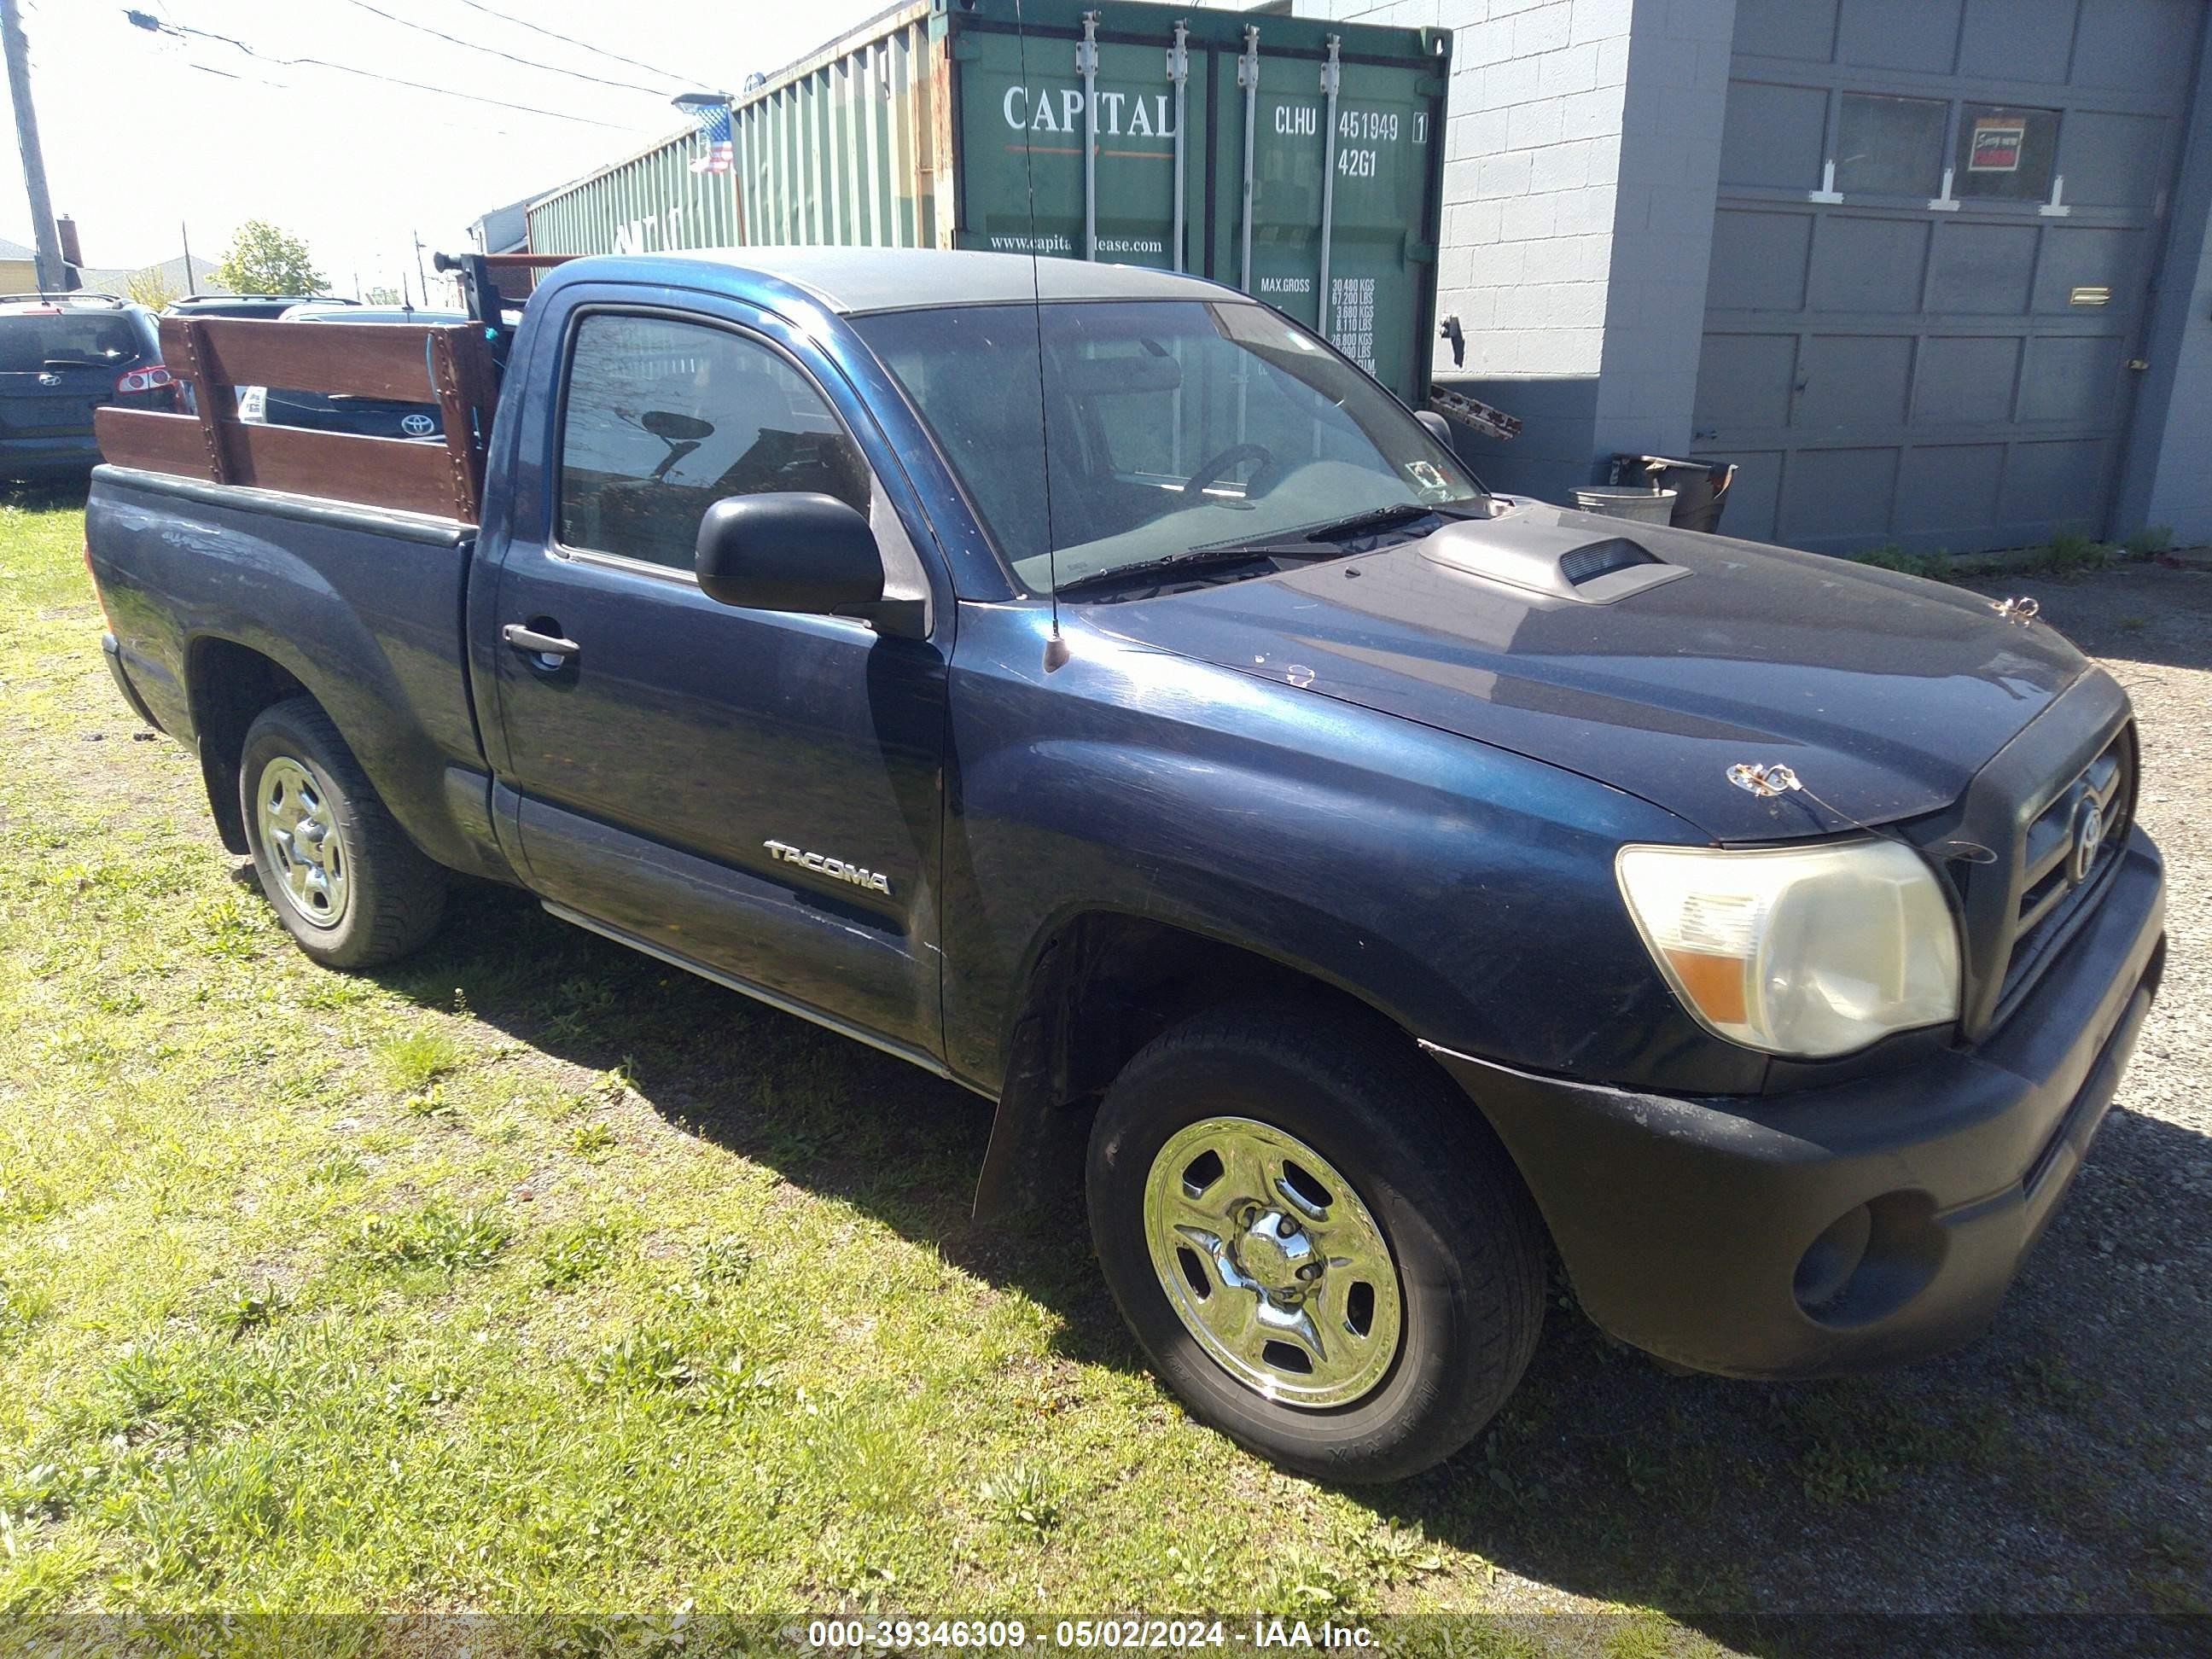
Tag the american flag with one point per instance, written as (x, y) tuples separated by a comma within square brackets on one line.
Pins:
[(720, 156)]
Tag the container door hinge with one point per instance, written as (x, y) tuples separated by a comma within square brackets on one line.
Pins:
[(1178, 76), (1086, 65), (1248, 77), (1331, 76)]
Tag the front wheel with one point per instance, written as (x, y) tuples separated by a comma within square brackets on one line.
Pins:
[(349, 887), (1321, 1248)]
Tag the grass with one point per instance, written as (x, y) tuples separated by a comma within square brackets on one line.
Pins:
[(531, 1276), (418, 1291), (2066, 555), (1936, 566)]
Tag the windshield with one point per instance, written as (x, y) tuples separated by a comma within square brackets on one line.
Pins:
[(30, 341), (1166, 425)]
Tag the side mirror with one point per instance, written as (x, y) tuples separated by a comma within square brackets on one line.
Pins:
[(1439, 428), (789, 551)]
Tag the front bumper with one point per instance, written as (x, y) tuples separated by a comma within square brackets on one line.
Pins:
[(1845, 1228)]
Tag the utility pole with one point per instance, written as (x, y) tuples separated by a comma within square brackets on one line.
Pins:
[(51, 277), (185, 235), (421, 280)]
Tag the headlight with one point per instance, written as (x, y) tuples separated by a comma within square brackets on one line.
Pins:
[(1811, 952)]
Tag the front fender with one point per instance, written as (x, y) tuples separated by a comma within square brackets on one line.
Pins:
[(1451, 886)]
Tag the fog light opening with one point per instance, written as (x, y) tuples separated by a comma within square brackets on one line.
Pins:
[(1871, 1261), (1826, 1269)]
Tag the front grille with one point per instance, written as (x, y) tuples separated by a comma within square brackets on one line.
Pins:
[(2058, 885)]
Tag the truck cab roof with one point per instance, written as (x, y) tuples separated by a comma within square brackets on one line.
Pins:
[(855, 281)]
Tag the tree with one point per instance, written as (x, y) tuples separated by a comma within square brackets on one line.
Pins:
[(151, 287), (263, 259)]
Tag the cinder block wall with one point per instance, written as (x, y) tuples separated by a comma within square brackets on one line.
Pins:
[(1582, 156), (1662, 224)]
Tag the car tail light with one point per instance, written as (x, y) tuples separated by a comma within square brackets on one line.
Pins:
[(148, 377)]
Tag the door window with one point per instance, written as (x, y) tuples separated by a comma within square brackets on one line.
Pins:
[(665, 418)]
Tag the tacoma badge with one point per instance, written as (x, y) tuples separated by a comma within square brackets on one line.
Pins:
[(835, 868)]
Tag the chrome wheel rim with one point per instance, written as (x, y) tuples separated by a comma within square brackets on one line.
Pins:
[(300, 831), (1273, 1262)]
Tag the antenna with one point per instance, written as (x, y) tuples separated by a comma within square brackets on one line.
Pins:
[(1055, 650)]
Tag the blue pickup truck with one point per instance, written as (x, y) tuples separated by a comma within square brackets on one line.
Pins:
[(1356, 888)]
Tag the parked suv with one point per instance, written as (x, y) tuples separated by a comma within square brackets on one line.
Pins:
[(337, 411), (62, 356)]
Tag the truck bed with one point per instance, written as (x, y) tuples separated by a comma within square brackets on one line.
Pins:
[(449, 365), (365, 606)]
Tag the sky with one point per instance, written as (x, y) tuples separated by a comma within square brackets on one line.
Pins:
[(143, 131)]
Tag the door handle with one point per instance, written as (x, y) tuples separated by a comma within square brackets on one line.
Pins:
[(532, 643)]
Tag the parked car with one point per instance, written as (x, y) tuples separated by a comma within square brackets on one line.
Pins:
[(1102, 694), (62, 355), (330, 411), (268, 307)]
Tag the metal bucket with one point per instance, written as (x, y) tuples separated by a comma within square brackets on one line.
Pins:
[(1700, 488), (1644, 506)]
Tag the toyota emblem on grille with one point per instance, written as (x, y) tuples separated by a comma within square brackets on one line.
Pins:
[(418, 426), (2088, 836)]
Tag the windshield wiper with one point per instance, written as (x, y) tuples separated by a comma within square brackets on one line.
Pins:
[(1184, 563), (1316, 541), (1300, 539)]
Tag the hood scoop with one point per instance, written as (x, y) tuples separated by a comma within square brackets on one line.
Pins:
[(1558, 561)]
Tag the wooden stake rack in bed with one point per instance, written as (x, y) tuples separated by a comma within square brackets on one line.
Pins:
[(443, 364)]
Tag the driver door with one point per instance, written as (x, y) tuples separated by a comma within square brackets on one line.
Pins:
[(673, 744)]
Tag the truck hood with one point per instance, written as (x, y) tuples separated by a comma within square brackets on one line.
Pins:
[(1884, 693)]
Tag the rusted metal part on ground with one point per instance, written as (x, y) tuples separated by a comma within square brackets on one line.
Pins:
[(1473, 412)]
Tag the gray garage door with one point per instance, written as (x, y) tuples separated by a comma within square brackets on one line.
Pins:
[(1937, 222)]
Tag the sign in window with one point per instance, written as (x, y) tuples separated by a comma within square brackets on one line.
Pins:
[(1996, 145), (2006, 153)]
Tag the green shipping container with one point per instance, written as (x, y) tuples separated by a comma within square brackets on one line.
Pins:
[(1298, 159)]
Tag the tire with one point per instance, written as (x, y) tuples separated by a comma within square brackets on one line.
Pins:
[(349, 887), (1455, 1227)]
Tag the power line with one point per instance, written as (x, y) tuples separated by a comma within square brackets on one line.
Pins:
[(147, 21), (570, 39), (494, 52)]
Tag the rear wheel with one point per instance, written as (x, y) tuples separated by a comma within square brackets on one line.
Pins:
[(1320, 1247), (348, 884)]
